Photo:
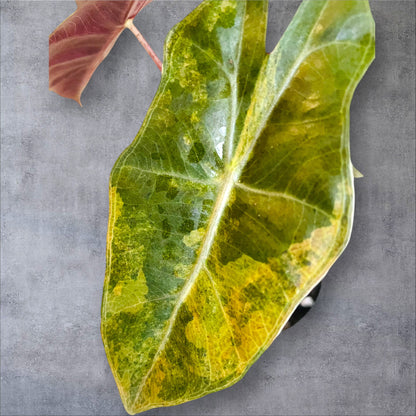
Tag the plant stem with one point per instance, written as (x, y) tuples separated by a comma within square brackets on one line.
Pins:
[(142, 40)]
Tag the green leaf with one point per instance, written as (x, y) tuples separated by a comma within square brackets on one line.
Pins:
[(235, 198)]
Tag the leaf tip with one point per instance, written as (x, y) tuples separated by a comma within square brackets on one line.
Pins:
[(357, 174)]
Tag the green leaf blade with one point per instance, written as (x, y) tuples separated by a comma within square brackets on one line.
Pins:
[(235, 198)]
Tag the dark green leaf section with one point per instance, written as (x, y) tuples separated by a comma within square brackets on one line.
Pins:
[(234, 199)]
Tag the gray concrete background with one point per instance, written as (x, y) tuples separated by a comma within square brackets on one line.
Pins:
[(354, 352)]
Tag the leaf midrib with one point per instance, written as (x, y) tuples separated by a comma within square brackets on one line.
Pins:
[(220, 204)]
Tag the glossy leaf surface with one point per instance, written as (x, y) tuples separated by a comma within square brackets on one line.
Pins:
[(80, 43), (234, 199)]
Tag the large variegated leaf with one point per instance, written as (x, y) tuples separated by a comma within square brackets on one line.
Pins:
[(234, 199)]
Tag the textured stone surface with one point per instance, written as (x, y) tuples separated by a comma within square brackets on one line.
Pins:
[(352, 354)]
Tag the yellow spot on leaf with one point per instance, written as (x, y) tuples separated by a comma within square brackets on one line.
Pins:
[(194, 238), (115, 202), (181, 271), (187, 140), (194, 117), (117, 290), (128, 294)]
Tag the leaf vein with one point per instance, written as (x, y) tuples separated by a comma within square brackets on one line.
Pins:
[(275, 194)]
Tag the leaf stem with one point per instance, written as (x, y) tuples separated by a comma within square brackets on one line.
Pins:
[(143, 41)]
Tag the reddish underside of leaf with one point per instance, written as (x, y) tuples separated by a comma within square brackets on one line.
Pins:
[(80, 43)]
